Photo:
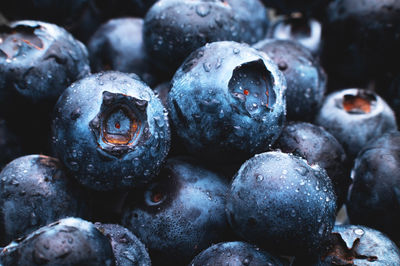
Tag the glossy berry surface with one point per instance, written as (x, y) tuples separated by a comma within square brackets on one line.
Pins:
[(279, 202), (305, 78), (38, 61), (227, 102), (173, 29), (355, 116), (179, 214), (318, 147), (110, 131), (127, 248), (118, 45), (374, 193), (35, 191), (360, 245), (69, 241), (234, 253)]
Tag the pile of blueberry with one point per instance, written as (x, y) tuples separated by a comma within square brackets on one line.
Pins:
[(199, 132)]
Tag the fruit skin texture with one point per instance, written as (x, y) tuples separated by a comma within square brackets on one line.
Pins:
[(318, 146), (373, 198), (69, 241), (353, 129), (35, 191), (111, 131), (234, 253), (280, 203), (227, 102), (180, 213), (360, 245), (47, 60), (127, 248), (118, 45), (305, 78), (175, 28)]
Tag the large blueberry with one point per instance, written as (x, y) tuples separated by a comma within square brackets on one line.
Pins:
[(305, 78), (69, 241), (318, 146), (111, 131), (355, 116), (181, 213), (175, 28), (234, 253), (279, 202), (227, 102), (374, 196), (35, 191), (38, 61), (360, 245)]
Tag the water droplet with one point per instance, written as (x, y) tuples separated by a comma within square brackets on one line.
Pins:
[(293, 213), (284, 172), (327, 199), (203, 10), (260, 178), (359, 231), (207, 67), (236, 51)]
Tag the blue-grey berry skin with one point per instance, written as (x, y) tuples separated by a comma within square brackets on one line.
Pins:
[(373, 197), (279, 202), (354, 117), (38, 60), (128, 249), (69, 241), (227, 102), (175, 28), (181, 212), (35, 191), (360, 245), (118, 45), (305, 78), (111, 131), (235, 253)]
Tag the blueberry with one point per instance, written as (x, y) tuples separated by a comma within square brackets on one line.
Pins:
[(355, 116), (37, 62), (118, 45), (306, 31), (69, 241), (110, 131), (360, 245), (127, 248), (305, 78), (173, 29), (35, 191), (361, 40), (180, 213), (234, 253), (281, 203), (318, 146), (375, 192), (227, 102)]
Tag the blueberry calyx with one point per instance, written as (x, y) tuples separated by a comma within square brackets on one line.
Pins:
[(121, 125), (251, 87), (344, 251), (361, 103), (13, 40)]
